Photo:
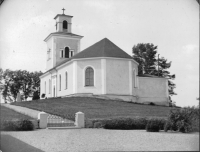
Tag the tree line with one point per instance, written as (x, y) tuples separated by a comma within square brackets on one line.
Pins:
[(19, 81)]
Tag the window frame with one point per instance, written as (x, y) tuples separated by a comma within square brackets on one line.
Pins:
[(85, 78), (66, 24), (59, 82)]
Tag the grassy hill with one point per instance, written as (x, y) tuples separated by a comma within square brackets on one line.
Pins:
[(95, 108)]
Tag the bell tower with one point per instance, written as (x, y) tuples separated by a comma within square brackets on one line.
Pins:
[(63, 23), (62, 44)]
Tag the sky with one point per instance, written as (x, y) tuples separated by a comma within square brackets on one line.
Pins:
[(172, 25)]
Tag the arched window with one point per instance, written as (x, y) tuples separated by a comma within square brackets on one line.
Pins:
[(60, 82), (66, 52), (65, 80), (65, 24), (49, 86), (89, 77)]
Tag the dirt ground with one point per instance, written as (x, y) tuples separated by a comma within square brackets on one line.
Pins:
[(75, 140)]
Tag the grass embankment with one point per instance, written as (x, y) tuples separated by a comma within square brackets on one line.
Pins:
[(7, 114), (95, 108)]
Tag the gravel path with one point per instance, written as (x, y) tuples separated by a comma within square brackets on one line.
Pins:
[(74, 140)]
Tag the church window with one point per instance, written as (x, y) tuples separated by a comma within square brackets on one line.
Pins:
[(66, 52), (89, 77), (60, 82), (49, 86), (66, 80), (65, 24)]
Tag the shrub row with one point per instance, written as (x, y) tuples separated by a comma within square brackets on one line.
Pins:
[(127, 123), (183, 120), (19, 125)]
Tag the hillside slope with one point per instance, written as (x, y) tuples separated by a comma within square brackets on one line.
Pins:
[(95, 108)]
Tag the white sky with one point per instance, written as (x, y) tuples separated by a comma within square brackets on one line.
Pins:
[(172, 25)]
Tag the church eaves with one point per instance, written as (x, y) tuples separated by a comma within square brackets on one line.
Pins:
[(62, 33)]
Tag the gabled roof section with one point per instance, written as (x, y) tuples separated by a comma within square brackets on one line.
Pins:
[(103, 48), (62, 15), (63, 33)]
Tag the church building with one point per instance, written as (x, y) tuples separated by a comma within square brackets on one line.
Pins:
[(102, 70)]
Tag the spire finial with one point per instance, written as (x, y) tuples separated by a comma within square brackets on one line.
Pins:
[(63, 10)]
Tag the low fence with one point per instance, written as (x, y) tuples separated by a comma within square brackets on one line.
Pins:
[(49, 121)]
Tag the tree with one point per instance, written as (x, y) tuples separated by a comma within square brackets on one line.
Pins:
[(19, 81), (145, 55)]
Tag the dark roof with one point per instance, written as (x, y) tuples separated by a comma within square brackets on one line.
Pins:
[(62, 15), (63, 33), (148, 75), (103, 48)]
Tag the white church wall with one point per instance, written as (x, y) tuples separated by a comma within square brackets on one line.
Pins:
[(81, 67), (117, 77), (63, 91), (153, 90)]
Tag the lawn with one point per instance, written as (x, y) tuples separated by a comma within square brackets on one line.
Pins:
[(95, 108), (8, 114)]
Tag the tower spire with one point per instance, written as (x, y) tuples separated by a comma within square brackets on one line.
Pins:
[(63, 10)]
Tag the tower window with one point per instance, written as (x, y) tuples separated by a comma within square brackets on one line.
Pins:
[(65, 24), (67, 52), (89, 77)]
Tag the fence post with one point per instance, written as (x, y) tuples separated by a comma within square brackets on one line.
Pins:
[(42, 116), (80, 120)]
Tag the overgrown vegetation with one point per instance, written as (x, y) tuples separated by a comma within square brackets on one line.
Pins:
[(184, 120), (19, 125), (17, 81), (14, 121)]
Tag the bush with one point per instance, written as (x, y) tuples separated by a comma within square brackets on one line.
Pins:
[(152, 104), (97, 125), (153, 125), (183, 120), (25, 125), (125, 123), (20, 125), (43, 95)]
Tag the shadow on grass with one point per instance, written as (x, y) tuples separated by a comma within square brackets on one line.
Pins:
[(11, 144)]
